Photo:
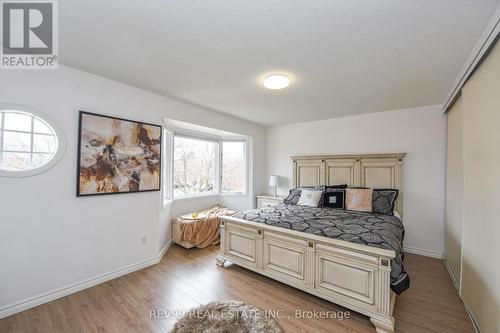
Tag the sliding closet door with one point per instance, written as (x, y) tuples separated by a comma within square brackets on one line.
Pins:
[(454, 192), (481, 242)]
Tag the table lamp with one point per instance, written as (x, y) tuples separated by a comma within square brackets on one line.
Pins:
[(274, 181)]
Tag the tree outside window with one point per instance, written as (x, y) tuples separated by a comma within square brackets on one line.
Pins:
[(233, 166), (195, 164)]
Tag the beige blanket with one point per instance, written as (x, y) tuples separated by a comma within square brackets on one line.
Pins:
[(204, 232)]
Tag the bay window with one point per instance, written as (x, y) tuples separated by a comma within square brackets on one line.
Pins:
[(204, 165)]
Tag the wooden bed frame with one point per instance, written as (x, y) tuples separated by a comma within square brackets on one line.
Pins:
[(353, 275)]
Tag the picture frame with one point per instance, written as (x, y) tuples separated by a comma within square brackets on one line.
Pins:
[(117, 155)]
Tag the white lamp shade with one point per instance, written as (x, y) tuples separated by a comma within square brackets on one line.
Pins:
[(274, 180)]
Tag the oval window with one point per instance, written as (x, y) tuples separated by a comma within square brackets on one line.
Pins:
[(28, 144)]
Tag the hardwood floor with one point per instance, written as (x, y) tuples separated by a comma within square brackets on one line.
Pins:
[(188, 278)]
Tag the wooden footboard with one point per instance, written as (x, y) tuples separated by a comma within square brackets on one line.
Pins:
[(352, 275)]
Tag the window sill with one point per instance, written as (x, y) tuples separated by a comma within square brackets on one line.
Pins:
[(233, 194), (200, 196)]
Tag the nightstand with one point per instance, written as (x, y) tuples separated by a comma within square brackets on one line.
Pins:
[(266, 200)]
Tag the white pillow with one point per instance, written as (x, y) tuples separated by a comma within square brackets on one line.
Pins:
[(310, 198)]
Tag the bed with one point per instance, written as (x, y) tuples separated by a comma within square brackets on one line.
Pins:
[(350, 258)]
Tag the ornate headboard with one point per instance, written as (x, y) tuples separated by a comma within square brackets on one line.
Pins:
[(365, 170)]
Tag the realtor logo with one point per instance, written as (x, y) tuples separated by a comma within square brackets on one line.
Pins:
[(29, 34)]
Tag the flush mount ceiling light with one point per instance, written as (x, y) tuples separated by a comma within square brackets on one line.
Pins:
[(276, 81)]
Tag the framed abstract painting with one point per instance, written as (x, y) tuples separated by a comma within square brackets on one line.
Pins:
[(117, 155)]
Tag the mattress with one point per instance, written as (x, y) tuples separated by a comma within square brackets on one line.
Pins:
[(377, 230)]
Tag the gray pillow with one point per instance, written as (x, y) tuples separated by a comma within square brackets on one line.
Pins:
[(294, 194), (383, 201)]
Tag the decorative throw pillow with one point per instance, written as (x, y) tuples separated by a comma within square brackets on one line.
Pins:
[(334, 198), (310, 198), (359, 199), (384, 201), (294, 194), (331, 188), (335, 187)]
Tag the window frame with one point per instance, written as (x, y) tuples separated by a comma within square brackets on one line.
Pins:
[(58, 133), (167, 165), (198, 137), (168, 196), (245, 166)]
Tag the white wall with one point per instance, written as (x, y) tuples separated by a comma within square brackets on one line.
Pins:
[(49, 238), (419, 132)]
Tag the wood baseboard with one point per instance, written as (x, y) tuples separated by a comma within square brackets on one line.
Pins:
[(475, 325), (423, 252), (453, 277), (165, 249), (73, 288)]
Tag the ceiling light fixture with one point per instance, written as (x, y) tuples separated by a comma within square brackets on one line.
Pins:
[(276, 81)]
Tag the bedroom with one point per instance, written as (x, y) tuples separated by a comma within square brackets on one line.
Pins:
[(179, 102)]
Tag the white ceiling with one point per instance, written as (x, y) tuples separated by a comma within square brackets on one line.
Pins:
[(344, 57)]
